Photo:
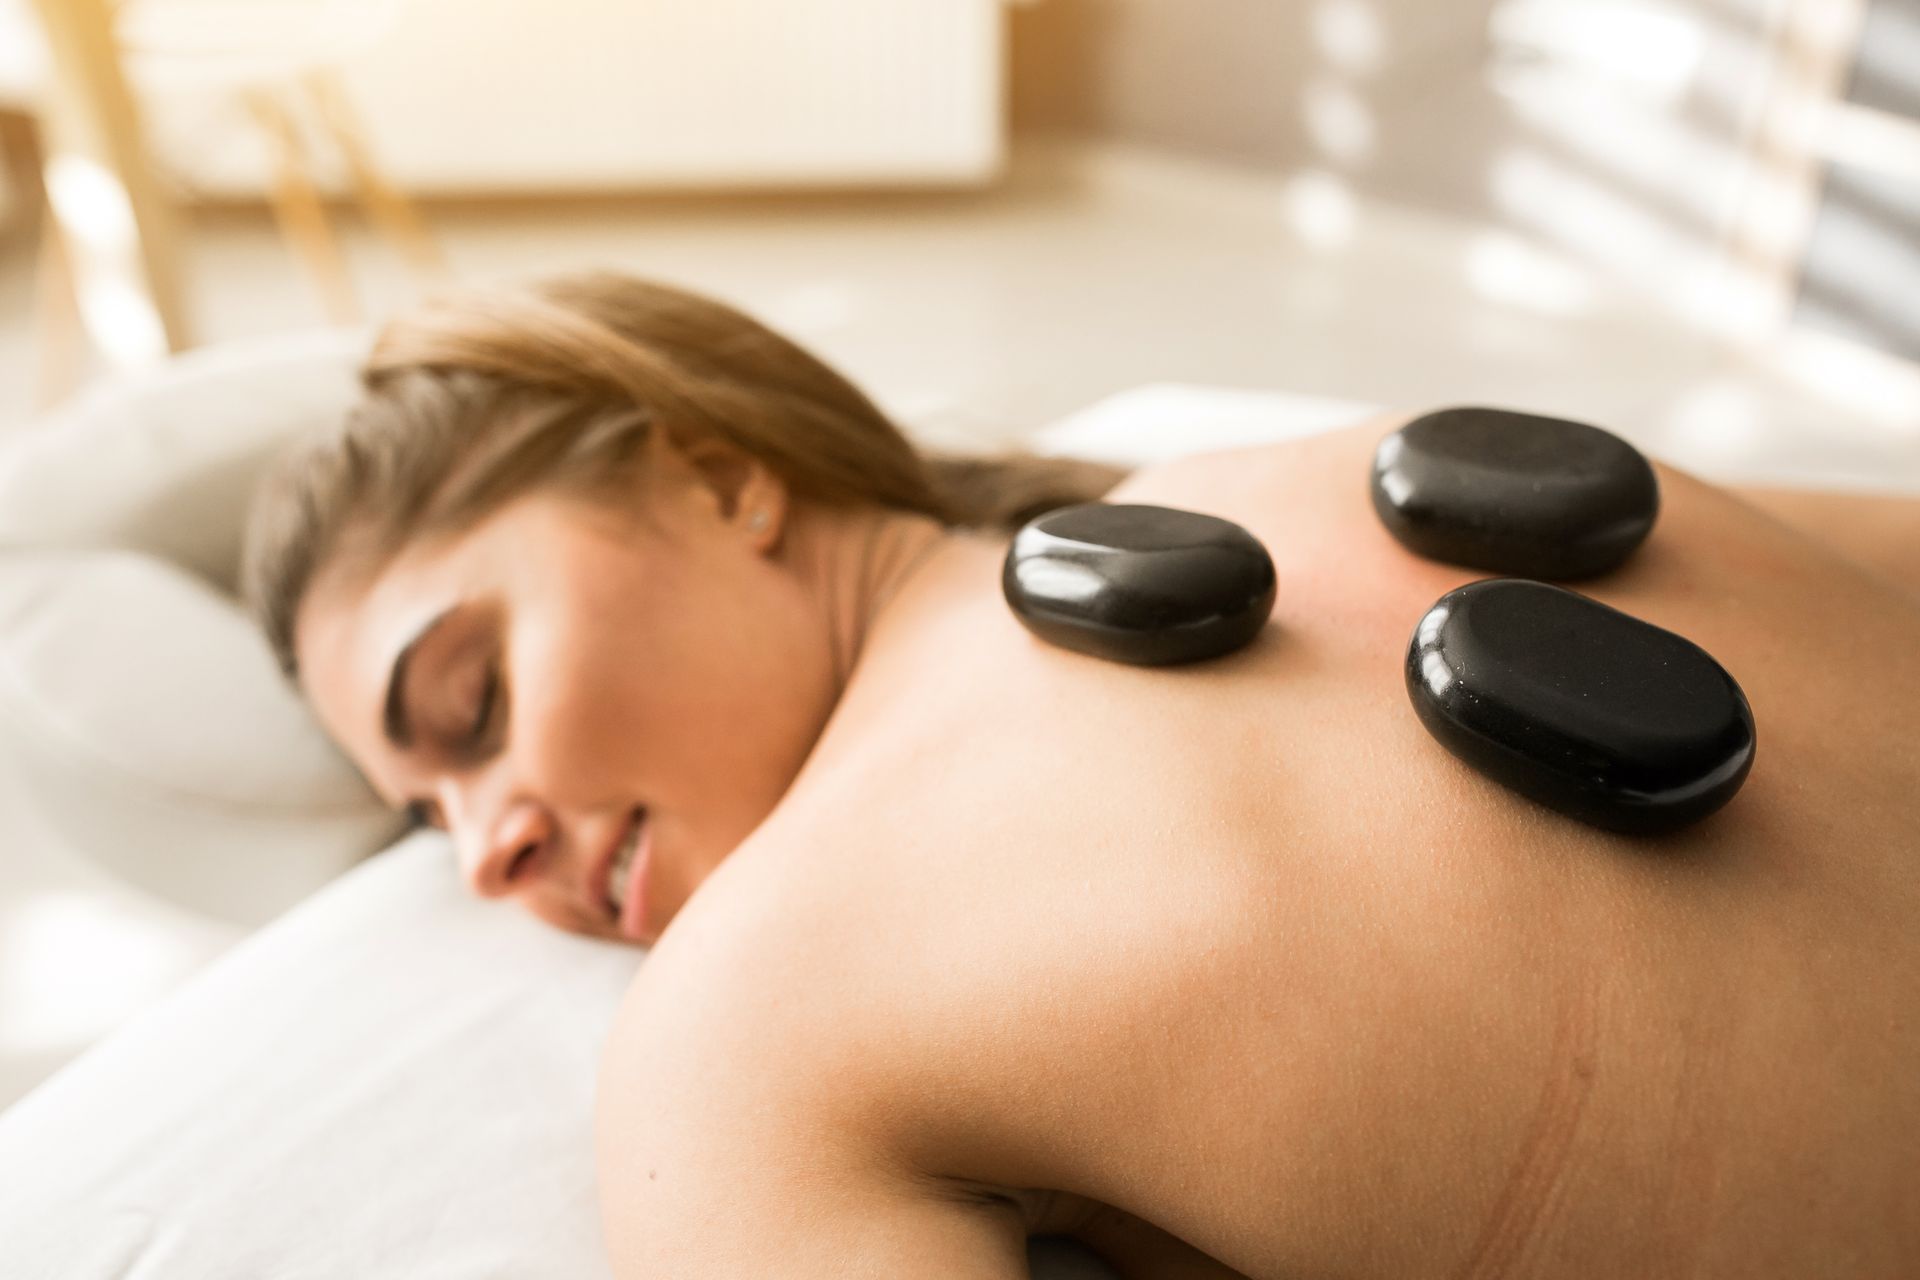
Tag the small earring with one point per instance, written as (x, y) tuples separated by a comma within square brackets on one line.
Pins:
[(757, 522)]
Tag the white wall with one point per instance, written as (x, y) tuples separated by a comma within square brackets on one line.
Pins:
[(510, 96), (1614, 134)]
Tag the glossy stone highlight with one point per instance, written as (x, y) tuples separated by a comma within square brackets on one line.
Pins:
[(1139, 584), (1583, 708), (1514, 493)]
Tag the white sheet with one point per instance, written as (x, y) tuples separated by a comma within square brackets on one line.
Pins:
[(393, 1081)]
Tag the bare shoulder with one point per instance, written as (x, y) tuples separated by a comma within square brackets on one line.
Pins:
[(846, 1088), (738, 1130), (750, 993), (806, 977)]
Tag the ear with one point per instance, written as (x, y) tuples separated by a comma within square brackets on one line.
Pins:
[(746, 495)]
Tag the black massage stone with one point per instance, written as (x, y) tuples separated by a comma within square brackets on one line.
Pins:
[(1138, 584), (1585, 709), (1514, 493)]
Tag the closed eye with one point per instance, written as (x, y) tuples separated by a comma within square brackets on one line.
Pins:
[(483, 714)]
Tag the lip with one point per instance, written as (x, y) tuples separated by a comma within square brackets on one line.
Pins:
[(602, 880), (633, 916)]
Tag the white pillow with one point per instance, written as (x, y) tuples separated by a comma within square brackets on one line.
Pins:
[(146, 718), (137, 703), (165, 461)]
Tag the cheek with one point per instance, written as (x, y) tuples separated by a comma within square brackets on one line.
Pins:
[(734, 668), (703, 686), (571, 734), (581, 694)]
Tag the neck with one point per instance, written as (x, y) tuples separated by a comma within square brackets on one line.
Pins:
[(854, 562)]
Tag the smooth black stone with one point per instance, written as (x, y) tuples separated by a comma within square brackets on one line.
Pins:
[(1579, 706), (1514, 493), (1139, 584)]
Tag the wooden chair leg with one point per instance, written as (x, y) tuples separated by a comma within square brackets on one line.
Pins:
[(92, 121), (302, 217), (59, 330), (388, 208), (59, 334), (26, 166)]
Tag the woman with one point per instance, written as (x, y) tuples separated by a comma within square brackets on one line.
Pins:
[(1228, 970)]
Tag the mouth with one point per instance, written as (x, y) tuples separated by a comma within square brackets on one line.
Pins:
[(621, 883)]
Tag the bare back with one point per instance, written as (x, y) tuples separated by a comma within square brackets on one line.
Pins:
[(1241, 951)]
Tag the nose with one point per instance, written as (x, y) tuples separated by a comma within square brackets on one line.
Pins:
[(505, 857)]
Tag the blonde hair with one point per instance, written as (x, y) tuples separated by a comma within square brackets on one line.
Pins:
[(477, 398)]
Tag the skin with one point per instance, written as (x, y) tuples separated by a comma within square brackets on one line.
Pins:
[(1233, 971), (578, 664)]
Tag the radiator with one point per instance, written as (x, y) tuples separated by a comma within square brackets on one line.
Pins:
[(523, 96)]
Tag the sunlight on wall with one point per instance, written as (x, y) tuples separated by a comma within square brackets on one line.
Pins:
[(75, 965), (1875, 140), (1339, 121), (1656, 47), (1664, 144), (1629, 136), (1584, 214), (1321, 209), (1351, 40), (1349, 35), (1505, 268), (1619, 176)]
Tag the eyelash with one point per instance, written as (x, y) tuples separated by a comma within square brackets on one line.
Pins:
[(425, 813), (483, 715)]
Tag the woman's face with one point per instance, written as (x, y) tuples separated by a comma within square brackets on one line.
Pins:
[(597, 708)]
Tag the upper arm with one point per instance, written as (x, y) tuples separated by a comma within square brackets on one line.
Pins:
[(737, 1134), (775, 1101), (731, 1146), (768, 1200)]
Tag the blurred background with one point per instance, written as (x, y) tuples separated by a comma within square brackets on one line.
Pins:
[(1692, 217), (1694, 221)]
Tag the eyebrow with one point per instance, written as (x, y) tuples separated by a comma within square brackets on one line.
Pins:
[(394, 715)]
